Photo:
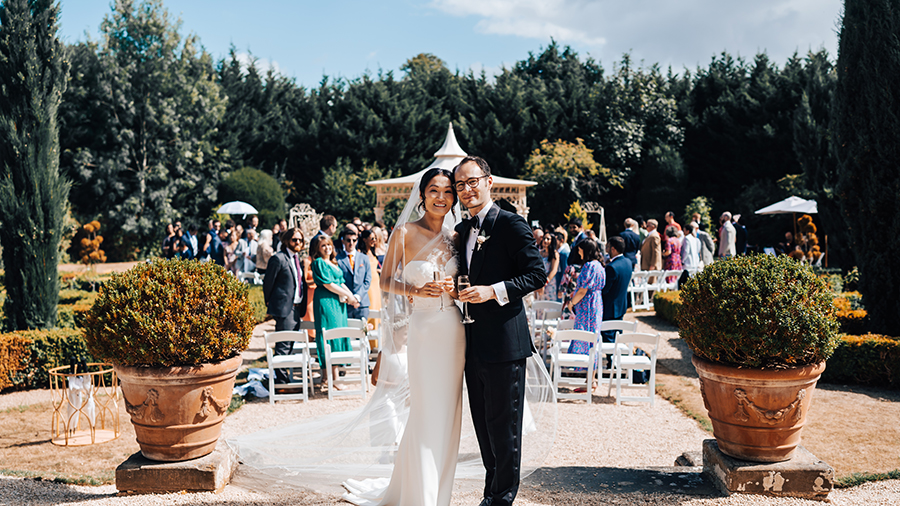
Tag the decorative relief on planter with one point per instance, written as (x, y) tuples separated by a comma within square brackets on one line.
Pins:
[(146, 411), (703, 395), (207, 400), (770, 417)]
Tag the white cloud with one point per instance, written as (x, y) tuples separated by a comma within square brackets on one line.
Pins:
[(669, 32), (262, 64)]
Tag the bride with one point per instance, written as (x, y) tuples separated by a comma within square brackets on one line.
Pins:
[(423, 252), (413, 437)]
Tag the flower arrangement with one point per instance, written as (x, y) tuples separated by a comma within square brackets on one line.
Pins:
[(169, 313), (759, 311)]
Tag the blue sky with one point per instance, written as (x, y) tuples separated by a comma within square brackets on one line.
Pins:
[(308, 39)]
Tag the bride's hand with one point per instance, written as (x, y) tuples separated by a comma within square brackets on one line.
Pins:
[(431, 289)]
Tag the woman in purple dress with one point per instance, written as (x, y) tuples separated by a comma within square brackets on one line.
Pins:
[(586, 303), (671, 251)]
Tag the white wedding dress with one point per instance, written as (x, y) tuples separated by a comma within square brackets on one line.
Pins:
[(425, 463)]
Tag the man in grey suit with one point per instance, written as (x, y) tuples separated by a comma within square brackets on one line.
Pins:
[(284, 288), (357, 273)]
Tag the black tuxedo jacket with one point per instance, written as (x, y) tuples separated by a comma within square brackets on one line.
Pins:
[(508, 254), (279, 285)]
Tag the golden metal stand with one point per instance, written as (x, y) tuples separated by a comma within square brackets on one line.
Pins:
[(92, 416)]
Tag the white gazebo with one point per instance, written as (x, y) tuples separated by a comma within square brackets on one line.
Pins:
[(450, 154)]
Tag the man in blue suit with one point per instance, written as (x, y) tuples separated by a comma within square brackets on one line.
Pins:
[(357, 273), (631, 240), (191, 242), (615, 292)]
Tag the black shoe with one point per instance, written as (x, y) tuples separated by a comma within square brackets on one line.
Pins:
[(485, 502)]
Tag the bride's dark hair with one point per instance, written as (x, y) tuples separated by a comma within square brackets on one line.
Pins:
[(426, 179)]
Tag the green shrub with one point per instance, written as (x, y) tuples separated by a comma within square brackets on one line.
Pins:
[(758, 311), (258, 189), (170, 312), (27, 356), (865, 360), (852, 317), (667, 304)]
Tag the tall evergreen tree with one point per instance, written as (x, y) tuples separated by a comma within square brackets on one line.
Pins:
[(153, 158), (33, 196), (867, 125)]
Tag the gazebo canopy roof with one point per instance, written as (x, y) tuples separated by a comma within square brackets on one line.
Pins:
[(447, 157)]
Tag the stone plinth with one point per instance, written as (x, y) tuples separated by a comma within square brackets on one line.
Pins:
[(803, 476), (139, 475)]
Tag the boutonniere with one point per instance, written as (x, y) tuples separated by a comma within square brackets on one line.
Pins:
[(480, 240)]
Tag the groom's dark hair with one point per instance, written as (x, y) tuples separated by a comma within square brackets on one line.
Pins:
[(481, 162)]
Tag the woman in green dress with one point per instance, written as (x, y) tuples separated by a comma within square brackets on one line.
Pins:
[(330, 299)]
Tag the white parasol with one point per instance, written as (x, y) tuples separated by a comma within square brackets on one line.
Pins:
[(237, 207), (791, 205)]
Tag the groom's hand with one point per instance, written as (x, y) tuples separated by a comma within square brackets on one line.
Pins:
[(477, 294)]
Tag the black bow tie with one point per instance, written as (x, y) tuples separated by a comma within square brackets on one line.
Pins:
[(473, 222)]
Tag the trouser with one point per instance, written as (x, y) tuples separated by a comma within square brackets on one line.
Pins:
[(496, 399), (360, 312), (289, 322)]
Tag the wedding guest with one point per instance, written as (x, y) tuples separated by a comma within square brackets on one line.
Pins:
[(690, 248), (569, 282), (550, 256), (587, 302), (379, 249), (330, 300), (168, 244), (264, 251), (367, 242), (563, 250), (671, 252)]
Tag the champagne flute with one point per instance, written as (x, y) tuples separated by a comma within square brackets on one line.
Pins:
[(462, 282), (438, 277)]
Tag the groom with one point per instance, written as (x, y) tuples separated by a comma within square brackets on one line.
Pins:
[(503, 264)]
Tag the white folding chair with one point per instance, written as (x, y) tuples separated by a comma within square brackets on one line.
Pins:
[(667, 285), (565, 325), (638, 289), (625, 365), (560, 359), (545, 314), (374, 337), (610, 348), (299, 358), (354, 362), (250, 277)]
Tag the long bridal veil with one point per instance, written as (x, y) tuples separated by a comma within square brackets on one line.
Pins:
[(322, 452)]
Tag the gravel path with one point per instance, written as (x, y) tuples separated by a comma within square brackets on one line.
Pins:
[(604, 454)]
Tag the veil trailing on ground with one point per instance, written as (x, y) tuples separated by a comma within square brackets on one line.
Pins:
[(321, 453)]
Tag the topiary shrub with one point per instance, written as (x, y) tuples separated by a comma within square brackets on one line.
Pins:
[(27, 356), (258, 189), (666, 305), (865, 360), (852, 318), (758, 311), (168, 313)]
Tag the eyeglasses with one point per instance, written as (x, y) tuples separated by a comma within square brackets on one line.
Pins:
[(297, 239), (472, 182), (349, 240)]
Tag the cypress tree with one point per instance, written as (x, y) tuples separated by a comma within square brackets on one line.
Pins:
[(866, 128), (33, 196)]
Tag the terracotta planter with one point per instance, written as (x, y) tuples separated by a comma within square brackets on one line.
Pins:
[(177, 412), (757, 414)]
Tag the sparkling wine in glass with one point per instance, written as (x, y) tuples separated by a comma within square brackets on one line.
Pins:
[(462, 283), (438, 277)]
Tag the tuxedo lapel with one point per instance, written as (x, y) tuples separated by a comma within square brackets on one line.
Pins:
[(463, 229), (478, 252)]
